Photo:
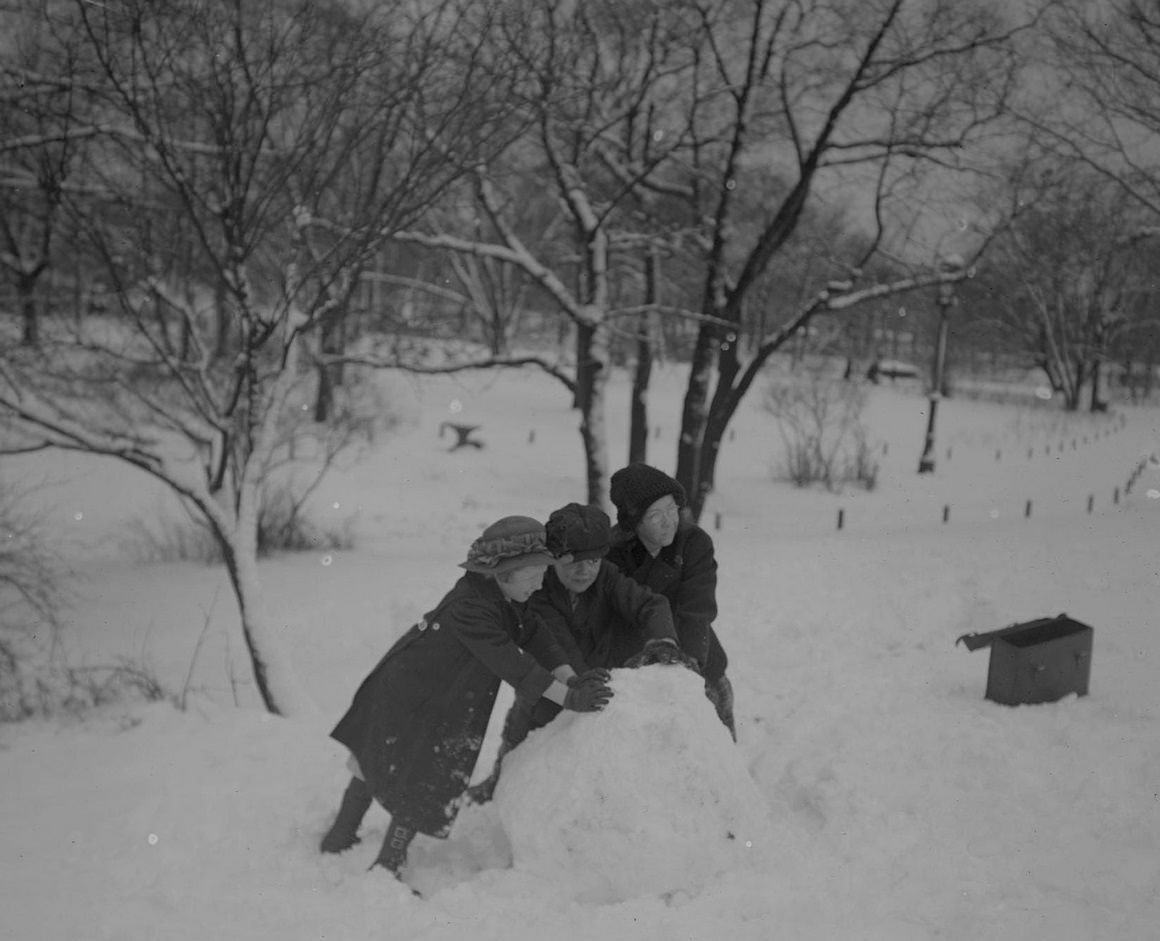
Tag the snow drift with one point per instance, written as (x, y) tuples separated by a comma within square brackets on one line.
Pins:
[(650, 796)]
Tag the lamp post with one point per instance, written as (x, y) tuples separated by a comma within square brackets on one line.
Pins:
[(949, 267)]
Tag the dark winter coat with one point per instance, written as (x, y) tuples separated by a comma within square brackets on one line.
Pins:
[(685, 572), (610, 621), (418, 720)]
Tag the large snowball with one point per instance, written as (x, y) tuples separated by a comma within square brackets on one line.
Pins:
[(649, 796)]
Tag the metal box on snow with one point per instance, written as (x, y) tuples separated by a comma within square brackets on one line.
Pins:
[(1036, 661)]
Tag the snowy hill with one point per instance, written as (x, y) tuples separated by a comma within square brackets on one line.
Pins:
[(900, 803)]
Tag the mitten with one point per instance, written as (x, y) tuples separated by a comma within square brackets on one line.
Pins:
[(590, 693), (661, 651), (603, 675)]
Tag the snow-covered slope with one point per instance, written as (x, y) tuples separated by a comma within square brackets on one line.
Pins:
[(897, 803)]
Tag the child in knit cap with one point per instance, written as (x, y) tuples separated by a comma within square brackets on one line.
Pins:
[(418, 720), (602, 619), (662, 549)]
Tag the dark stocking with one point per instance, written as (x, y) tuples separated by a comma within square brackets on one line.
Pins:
[(343, 834)]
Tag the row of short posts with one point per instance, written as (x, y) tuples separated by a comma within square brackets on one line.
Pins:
[(1135, 475), (1029, 505), (1060, 448)]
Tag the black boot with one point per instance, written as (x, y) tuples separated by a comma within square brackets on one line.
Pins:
[(356, 800), (720, 693), (393, 855)]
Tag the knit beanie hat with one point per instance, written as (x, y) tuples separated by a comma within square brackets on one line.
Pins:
[(583, 532), (637, 487), (510, 543)]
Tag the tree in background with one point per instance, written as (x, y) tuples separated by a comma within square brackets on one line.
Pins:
[(1103, 108), (1102, 111), (1066, 275), (31, 599), (695, 135), (245, 162), (850, 97), (44, 127), (588, 81)]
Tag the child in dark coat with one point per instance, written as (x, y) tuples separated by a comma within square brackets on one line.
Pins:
[(658, 547), (418, 720), (599, 617)]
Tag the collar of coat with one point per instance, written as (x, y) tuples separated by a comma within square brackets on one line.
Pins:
[(670, 555), (556, 589)]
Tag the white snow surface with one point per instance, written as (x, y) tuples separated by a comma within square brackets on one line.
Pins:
[(883, 795), (653, 782)]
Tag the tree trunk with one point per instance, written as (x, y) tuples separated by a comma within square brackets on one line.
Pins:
[(237, 531), (642, 375), (1099, 343), (30, 322), (324, 395), (258, 436), (710, 451), (330, 375), (593, 357), (223, 334), (274, 675), (638, 417), (1096, 402), (593, 428), (720, 412), (1073, 385), (695, 412), (585, 366)]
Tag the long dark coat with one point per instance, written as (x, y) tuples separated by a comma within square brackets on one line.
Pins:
[(418, 720), (610, 621), (685, 572)]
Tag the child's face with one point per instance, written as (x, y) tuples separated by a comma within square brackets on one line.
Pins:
[(521, 583), (658, 527), (577, 577)]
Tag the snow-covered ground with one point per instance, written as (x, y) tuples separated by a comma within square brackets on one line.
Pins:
[(895, 802)]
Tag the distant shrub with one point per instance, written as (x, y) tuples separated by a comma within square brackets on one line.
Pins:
[(167, 540), (819, 419), (360, 410), (283, 526), (35, 679), (36, 682), (30, 598), (859, 465), (30, 569)]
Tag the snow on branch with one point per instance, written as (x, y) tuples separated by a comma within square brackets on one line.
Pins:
[(520, 257), (1139, 235), (490, 362), (41, 424), (838, 296)]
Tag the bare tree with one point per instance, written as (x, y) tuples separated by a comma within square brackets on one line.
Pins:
[(42, 129), (1068, 270), (470, 296), (1102, 107), (1097, 110), (848, 97), (248, 160), (589, 78)]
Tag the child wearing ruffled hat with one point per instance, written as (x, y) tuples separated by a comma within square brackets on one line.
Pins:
[(603, 620), (417, 722)]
